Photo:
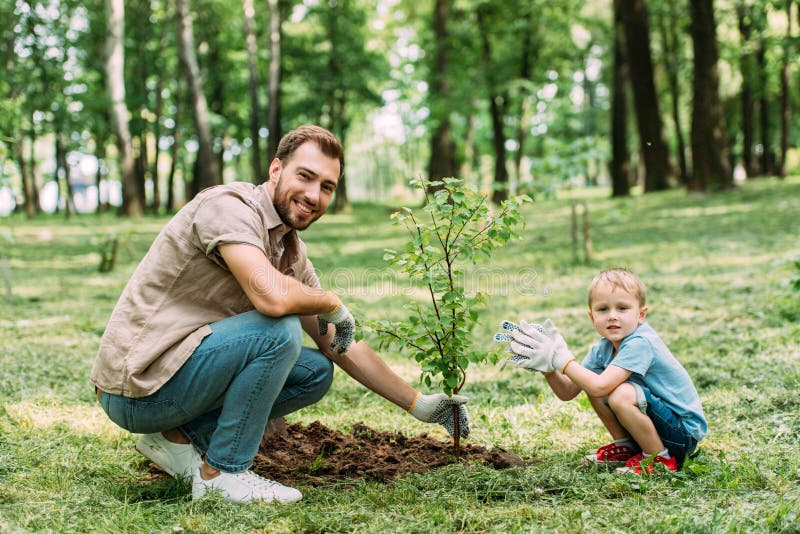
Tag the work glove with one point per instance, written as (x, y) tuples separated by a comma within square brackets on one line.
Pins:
[(438, 408), (520, 342), (546, 345), (345, 325)]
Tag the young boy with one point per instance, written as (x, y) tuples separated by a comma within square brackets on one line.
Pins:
[(640, 392)]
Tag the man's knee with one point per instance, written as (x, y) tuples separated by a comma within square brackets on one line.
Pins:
[(323, 372), (289, 328)]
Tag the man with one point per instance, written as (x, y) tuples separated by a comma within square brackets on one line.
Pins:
[(204, 345)]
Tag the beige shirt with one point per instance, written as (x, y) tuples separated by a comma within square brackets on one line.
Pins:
[(182, 285)]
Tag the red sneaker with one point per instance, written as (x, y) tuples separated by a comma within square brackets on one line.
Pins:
[(611, 454), (641, 463)]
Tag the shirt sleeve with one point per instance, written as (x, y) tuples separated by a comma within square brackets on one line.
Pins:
[(592, 360), (635, 355), (227, 217)]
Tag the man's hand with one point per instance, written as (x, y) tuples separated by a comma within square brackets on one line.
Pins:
[(438, 408), (345, 325)]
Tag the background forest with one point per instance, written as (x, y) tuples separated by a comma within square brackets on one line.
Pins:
[(144, 103)]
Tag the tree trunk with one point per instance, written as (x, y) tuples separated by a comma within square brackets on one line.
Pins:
[(670, 45), (274, 85), (61, 163), (140, 165), (500, 184), (442, 161), (157, 137), (747, 70), (763, 109), (115, 84), (28, 189), (174, 152), (34, 170), (645, 98), (99, 176), (252, 87), (710, 161), (620, 156), (524, 100), (786, 110), (206, 169)]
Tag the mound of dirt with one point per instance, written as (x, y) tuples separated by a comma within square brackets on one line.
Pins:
[(316, 455)]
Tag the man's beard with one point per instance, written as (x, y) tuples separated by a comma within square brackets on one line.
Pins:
[(283, 206)]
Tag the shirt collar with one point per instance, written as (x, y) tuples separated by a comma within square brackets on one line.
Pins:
[(275, 224)]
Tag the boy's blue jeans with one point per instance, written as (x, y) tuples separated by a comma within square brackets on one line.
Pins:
[(250, 369), (676, 439)]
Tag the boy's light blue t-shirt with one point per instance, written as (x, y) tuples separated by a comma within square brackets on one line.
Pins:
[(653, 366)]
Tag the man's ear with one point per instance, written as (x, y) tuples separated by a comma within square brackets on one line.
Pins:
[(275, 169)]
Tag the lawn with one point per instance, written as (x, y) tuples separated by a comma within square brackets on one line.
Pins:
[(718, 269)]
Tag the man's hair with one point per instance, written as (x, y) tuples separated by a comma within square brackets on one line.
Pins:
[(325, 140), (620, 278)]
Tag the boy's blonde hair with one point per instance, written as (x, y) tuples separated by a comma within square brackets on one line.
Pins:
[(620, 279)]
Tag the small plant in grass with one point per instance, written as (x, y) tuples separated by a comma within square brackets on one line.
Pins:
[(454, 228)]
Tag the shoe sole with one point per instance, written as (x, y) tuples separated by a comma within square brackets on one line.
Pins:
[(592, 459), (170, 472)]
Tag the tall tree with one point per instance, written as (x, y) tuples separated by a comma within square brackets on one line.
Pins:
[(747, 67), (710, 159), (252, 88), (620, 166), (206, 168), (671, 47), (496, 112), (442, 161), (648, 112), (115, 83), (274, 77), (786, 110)]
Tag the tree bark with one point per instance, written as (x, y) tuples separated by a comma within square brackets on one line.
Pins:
[(620, 155), (746, 66), (648, 113), (670, 45), (763, 109), (786, 110), (275, 74), (28, 188), (115, 85), (442, 161), (252, 87), (496, 112), (710, 161), (206, 168)]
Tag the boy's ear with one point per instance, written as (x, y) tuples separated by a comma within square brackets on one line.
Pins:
[(643, 314), (591, 317)]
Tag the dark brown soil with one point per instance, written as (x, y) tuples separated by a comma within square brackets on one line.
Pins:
[(317, 455)]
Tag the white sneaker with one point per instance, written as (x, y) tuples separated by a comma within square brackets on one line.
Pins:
[(178, 459), (244, 487)]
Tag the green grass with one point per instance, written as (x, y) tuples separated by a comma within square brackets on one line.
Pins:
[(717, 269)]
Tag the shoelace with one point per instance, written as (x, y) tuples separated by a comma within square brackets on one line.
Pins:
[(257, 481)]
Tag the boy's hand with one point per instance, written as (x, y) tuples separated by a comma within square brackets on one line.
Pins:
[(549, 346), (521, 346)]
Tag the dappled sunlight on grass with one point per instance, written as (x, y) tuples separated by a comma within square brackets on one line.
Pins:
[(79, 418)]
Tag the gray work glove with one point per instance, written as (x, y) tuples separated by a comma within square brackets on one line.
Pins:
[(438, 408), (345, 325), (523, 345)]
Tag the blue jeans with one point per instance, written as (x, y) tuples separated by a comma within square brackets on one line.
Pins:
[(668, 424), (250, 369)]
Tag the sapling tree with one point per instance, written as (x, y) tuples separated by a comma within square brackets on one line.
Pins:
[(455, 227)]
